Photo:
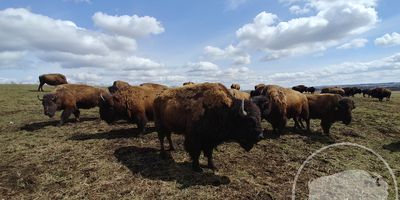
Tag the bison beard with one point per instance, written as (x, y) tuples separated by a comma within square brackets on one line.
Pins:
[(238, 122)]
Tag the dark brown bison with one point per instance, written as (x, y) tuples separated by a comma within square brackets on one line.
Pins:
[(188, 83), (235, 86), (300, 88), (380, 93), (51, 79), (155, 86), (330, 108), (70, 98), (239, 94), (257, 90), (311, 90), (351, 91), (133, 103), (366, 92), (281, 104), (207, 115), (118, 85), (333, 90)]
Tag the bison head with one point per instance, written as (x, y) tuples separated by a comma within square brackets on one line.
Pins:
[(107, 109), (49, 104), (247, 128), (344, 108)]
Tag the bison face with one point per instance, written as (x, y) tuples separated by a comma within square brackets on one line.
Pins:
[(49, 104), (263, 104), (107, 110), (344, 109), (247, 126)]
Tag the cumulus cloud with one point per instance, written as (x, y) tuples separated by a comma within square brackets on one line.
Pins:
[(348, 72), (235, 54), (388, 39), (296, 9), (84, 77), (129, 26), (356, 43), (63, 42), (202, 66), (332, 22)]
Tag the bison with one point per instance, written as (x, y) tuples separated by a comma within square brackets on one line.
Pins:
[(51, 79), (188, 83), (311, 90), (118, 85), (330, 108), (300, 88), (154, 86), (235, 86), (380, 93), (366, 92), (207, 115), (133, 103), (70, 98), (351, 91), (333, 90), (279, 104), (239, 94)]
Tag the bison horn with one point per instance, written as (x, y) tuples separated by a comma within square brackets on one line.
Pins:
[(39, 98), (242, 111), (101, 96)]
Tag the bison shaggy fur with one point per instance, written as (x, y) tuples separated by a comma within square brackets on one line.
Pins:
[(333, 90), (207, 115), (70, 98), (380, 93), (330, 108), (51, 79)]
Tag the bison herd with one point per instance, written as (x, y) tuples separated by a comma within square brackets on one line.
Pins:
[(206, 114)]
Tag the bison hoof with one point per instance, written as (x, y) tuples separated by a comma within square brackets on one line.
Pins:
[(212, 167)]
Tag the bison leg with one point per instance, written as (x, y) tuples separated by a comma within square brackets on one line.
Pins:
[(77, 114), (326, 126), (193, 147), (141, 123), (194, 155), (171, 145), (161, 136), (65, 115), (208, 153), (40, 88)]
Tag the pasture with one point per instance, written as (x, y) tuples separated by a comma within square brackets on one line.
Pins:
[(94, 160)]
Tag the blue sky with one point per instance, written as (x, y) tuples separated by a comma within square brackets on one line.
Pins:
[(285, 42)]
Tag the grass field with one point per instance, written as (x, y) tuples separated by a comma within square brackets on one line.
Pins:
[(94, 160)]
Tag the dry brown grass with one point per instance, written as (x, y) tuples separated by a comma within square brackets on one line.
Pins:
[(93, 160)]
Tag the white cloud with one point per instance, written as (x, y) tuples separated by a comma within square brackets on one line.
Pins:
[(233, 4), (84, 77), (202, 66), (356, 43), (296, 9), (8, 59), (63, 42), (388, 40), (230, 52), (129, 26), (333, 22), (384, 69)]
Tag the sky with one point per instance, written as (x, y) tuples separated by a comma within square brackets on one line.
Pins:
[(284, 42)]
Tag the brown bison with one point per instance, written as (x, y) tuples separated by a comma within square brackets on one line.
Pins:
[(239, 94), (380, 93), (366, 92), (133, 103), (300, 88), (330, 108), (207, 115), (70, 98), (118, 85), (333, 90), (281, 104), (235, 86), (351, 91), (51, 79), (188, 83), (311, 90), (155, 86)]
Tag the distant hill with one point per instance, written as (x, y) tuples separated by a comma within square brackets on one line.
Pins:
[(390, 85)]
